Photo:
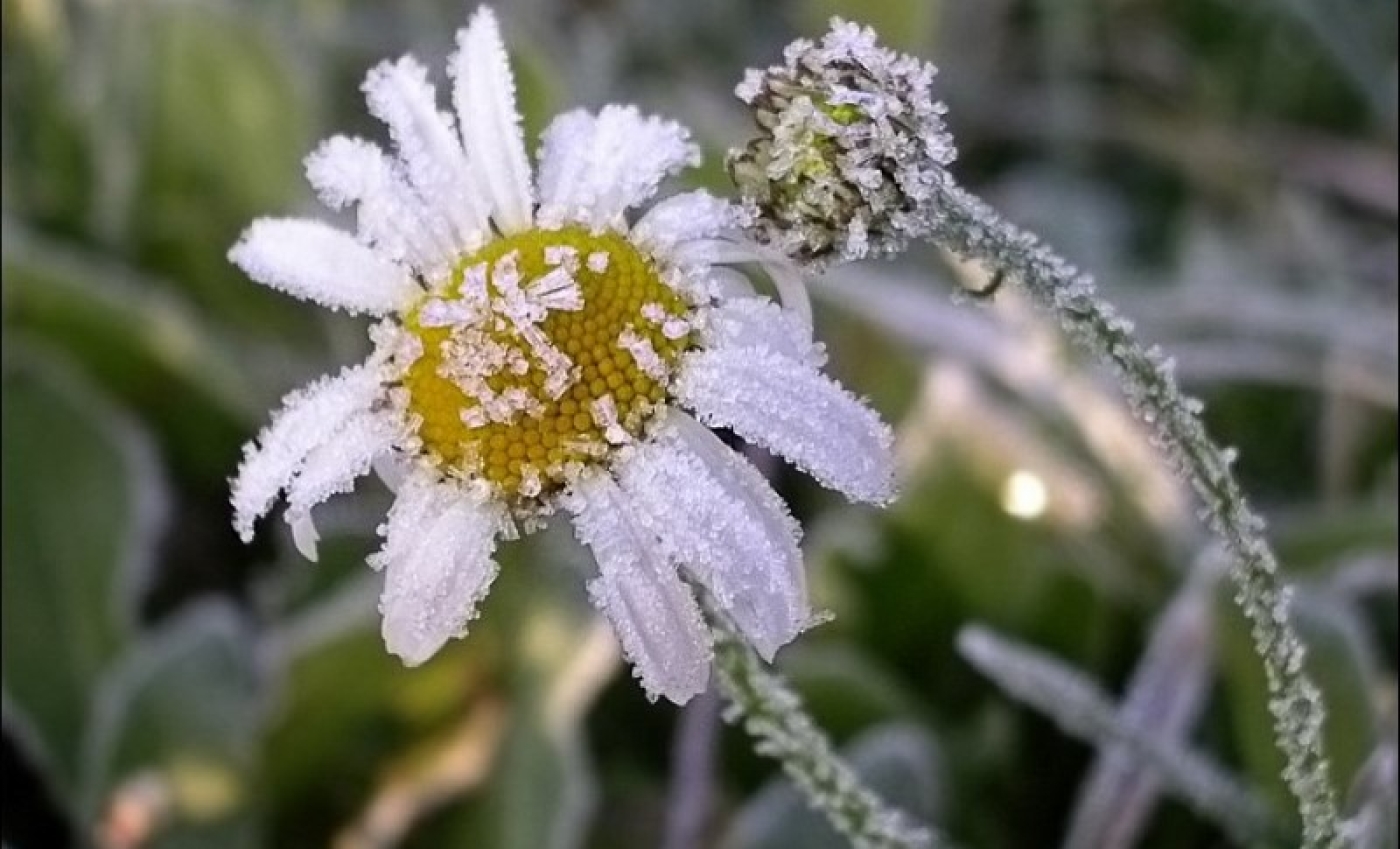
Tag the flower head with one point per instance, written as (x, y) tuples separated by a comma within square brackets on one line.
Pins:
[(537, 349), (851, 144)]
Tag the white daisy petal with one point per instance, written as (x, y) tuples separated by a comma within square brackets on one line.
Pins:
[(314, 261), (725, 283), (794, 410), (683, 218), (309, 418), (653, 612), (595, 167), (437, 566), (484, 96), (786, 276), (726, 526), (759, 323), (399, 94), (390, 216), (333, 467)]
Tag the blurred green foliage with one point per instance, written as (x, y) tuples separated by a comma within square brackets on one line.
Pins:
[(1227, 169)]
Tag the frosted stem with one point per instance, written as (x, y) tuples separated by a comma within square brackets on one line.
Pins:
[(968, 226), (773, 716)]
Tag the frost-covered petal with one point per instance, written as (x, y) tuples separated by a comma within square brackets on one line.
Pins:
[(793, 410), (726, 526), (755, 322), (309, 418), (314, 261), (437, 565), (653, 612), (786, 276), (484, 96), (399, 94), (682, 218), (595, 167), (333, 467), (390, 216)]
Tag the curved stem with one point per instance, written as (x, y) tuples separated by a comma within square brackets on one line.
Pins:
[(971, 228), (774, 717)]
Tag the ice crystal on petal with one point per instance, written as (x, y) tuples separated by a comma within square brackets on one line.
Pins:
[(656, 618), (317, 262), (794, 410), (399, 94), (434, 580), (684, 217), (389, 216), (595, 167), (728, 529), (309, 418), (333, 466), (484, 96)]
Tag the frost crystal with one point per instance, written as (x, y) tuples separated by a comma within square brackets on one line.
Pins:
[(851, 146)]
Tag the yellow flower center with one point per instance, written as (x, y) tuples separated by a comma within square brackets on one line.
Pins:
[(546, 350)]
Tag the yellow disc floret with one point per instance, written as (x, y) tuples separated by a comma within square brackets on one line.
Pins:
[(545, 350)]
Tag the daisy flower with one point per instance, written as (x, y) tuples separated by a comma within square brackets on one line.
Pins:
[(538, 349)]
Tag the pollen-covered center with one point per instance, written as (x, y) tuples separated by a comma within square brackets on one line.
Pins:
[(545, 350)]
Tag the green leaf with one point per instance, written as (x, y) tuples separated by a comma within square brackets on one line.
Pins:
[(143, 342), (899, 761), (177, 719), (83, 505)]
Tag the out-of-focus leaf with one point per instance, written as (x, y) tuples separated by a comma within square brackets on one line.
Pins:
[(845, 687), (542, 790), (142, 341), (175, 727), (224, 132), (350, 709), (46, 153), (83, 504), (899, 761)]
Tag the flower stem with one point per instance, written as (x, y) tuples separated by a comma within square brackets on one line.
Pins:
[(969, 227), (774, 717)]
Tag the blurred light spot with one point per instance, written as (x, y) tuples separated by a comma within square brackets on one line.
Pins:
[(1024, 496)]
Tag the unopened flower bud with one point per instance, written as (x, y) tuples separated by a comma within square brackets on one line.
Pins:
[(851, 144)]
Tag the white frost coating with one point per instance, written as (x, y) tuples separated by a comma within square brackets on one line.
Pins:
[(437, 566), (389, 216), (786, 276), (484, 96), (759, 323), (309, 417), (333, 466), (683, 218), (595, 167), (655, 617), (795, 411), (734, 537), (316, 262), (399, 94)]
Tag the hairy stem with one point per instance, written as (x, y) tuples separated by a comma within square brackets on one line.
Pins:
[(773, 716), (972, 229)]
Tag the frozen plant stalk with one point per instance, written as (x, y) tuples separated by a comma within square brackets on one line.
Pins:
[(851, 161), (773, 715)]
